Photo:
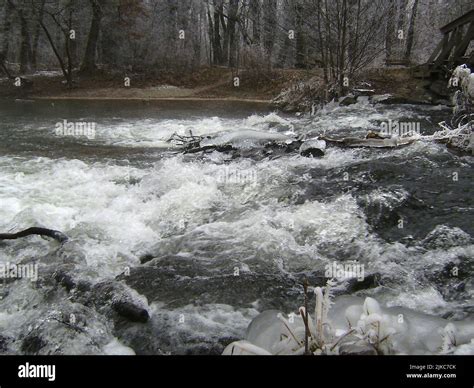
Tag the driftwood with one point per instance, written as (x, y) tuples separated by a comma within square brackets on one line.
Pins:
[(186, 142), (54, 234), (191, 144), (210, 148), (352, 142)]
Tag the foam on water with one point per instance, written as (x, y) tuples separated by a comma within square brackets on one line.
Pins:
[(255, 215), (155, 133), (114, 221), (356, 119), (85, 201), (199, 327)]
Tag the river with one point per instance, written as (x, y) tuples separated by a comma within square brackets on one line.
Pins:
[(226, 236)]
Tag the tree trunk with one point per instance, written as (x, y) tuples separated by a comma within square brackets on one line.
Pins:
[(6, 30), (64, 69), (211, 37), (286, 51), (255, 12), (232, 31), (342, 49), (354, 28), (226, 40), (88, 62), (269, 18), (401, 26), (216, 43), (322, 46), (196, 21), (402, 14), (411, 31), (300, 60), (25, 46), (36, 35), (24, 60), (390, 33)]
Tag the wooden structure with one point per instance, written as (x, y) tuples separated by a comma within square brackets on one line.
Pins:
[(457, 37), (450, 52)]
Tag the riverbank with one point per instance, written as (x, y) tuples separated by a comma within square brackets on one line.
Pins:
[(204, 84), (208, 84), (150, 99)]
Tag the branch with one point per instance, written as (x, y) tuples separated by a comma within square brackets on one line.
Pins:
[(58, 236), (56, 53)]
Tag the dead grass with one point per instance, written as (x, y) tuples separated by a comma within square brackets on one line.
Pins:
[(205, 83), (396, 81)]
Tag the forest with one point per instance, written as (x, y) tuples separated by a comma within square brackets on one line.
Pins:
[(341, 37)]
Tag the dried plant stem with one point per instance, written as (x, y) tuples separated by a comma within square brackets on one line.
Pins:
[(305, 318)]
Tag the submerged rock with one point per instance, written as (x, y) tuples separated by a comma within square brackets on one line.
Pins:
[(131, 311), (146, 258), (445, 237), (180, 280), (59, 328), (3, 344), (113, 297), (108, 297), (32, 344), (348, 100), (313, 148), (312, 153), (389, 99), (65, 279), (383, 205)]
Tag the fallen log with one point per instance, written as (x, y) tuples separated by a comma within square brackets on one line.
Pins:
[(54, 234), (218, 148), (352, 142)]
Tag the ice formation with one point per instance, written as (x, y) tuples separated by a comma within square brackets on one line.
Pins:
[(463, 78), (352, 325)]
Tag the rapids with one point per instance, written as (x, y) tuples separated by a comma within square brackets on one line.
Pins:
[(225, 238)]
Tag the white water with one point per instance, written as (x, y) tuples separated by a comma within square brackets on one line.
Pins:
[(116, 212)]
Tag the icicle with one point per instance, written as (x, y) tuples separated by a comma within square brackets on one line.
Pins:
[(319, 314)]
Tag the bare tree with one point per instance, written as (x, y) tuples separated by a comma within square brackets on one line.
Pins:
[(62, 19)]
